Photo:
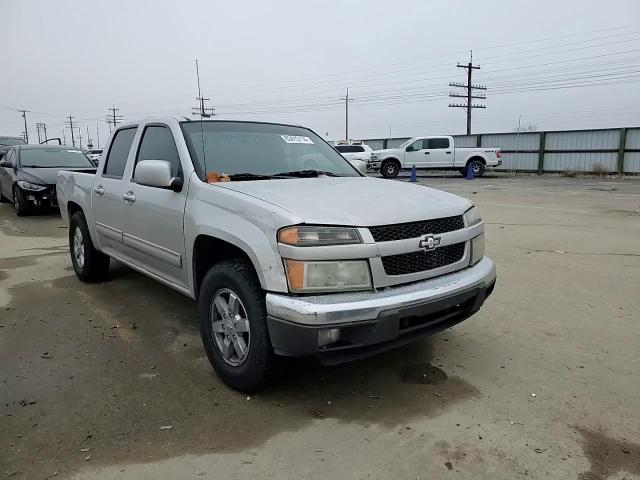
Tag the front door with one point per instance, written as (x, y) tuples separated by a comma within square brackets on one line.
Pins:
[(108, 189), (5, 175), (154, 233), (415, 154)]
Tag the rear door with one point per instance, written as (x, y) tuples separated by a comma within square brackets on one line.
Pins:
[(440, 152), (108, 189), (154, 233)]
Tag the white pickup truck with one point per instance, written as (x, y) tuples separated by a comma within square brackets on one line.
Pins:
[(437, 153), (271, 231)]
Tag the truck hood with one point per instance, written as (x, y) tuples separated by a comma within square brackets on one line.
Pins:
[(46, 176), (355, 201)]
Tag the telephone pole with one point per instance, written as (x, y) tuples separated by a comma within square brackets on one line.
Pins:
[(201, 110), (26, 131), (97, 136), (346, 114), (72, 125), (113, 119), (468, 106), (41, 129)]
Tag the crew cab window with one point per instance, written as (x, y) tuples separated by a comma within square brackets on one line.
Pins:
[(415, 146), (158, 144), (438, 143), (118, 152)]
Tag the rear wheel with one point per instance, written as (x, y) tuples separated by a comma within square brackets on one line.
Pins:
[(390, 169), (20, 202), (89, 264), (477, 166), (233, 325)]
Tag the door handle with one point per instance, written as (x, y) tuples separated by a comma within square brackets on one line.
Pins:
[(99, 190), (128, 198), (427, 153), (448, 153)]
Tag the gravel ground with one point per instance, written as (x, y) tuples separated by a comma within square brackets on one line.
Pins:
[(544, 382)]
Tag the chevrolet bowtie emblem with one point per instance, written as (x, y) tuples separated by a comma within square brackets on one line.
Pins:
[(429, 242)]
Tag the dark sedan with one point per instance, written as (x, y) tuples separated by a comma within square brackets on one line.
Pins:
[(28, 174)]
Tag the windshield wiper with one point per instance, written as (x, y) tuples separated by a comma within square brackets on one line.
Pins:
[(251, 176), (306, 173)]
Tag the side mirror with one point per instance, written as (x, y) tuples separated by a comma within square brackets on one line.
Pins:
[(6, 164), (360, 165), (157, 173), (409, 148)]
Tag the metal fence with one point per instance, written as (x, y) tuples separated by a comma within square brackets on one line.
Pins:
[(611, 150)]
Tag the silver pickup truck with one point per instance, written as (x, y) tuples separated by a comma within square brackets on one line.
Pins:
[(274, 234)]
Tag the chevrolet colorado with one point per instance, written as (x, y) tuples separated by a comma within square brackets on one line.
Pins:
[(271, 231), (437, 153)]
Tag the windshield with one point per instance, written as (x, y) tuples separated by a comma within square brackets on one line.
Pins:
[(262, 149), (9, 141), (53, 157)]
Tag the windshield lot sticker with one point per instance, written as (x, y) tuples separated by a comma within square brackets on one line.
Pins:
[(296, 139)]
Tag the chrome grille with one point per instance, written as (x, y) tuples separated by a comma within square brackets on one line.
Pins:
[(414, 262), (401, 231)]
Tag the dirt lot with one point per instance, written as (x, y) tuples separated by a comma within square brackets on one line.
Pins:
[(544, 382)]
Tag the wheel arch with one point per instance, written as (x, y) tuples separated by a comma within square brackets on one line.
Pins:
[(208, 250)]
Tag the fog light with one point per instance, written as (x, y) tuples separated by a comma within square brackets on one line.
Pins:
[(328, 336)]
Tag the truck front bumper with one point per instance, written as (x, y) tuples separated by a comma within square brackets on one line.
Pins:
[(347, 326)]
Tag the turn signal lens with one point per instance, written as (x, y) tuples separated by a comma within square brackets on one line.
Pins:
[(311, 236)]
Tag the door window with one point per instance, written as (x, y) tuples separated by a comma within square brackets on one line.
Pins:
[(439, 143), (158, 144), (415, 146), (119, 152)]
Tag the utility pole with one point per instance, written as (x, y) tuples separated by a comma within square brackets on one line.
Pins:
[(469, 106), (201, 110), (41, 128), (346, 114), (97, 136), (26, 131), (72, 125), (113, 119)]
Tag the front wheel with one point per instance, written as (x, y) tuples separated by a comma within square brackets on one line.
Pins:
[(390, 169), (233, 325), (20, 202), (89, 264)]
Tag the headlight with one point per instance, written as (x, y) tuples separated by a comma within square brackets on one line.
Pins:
[(310, 236), (30, 186), (323, 276), (472, 217), (477, 249)]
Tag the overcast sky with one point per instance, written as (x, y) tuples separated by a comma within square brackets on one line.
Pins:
[(557, 64)]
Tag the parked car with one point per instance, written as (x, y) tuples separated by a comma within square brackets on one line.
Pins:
[(94, 155), (438, 153), (272, 232), (7, 142), (28, 174), (355, 152)]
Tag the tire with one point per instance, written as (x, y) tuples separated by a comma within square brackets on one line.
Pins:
[(20, 202), (89, 264), (390, 169), (255, 367), (477, 166)]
